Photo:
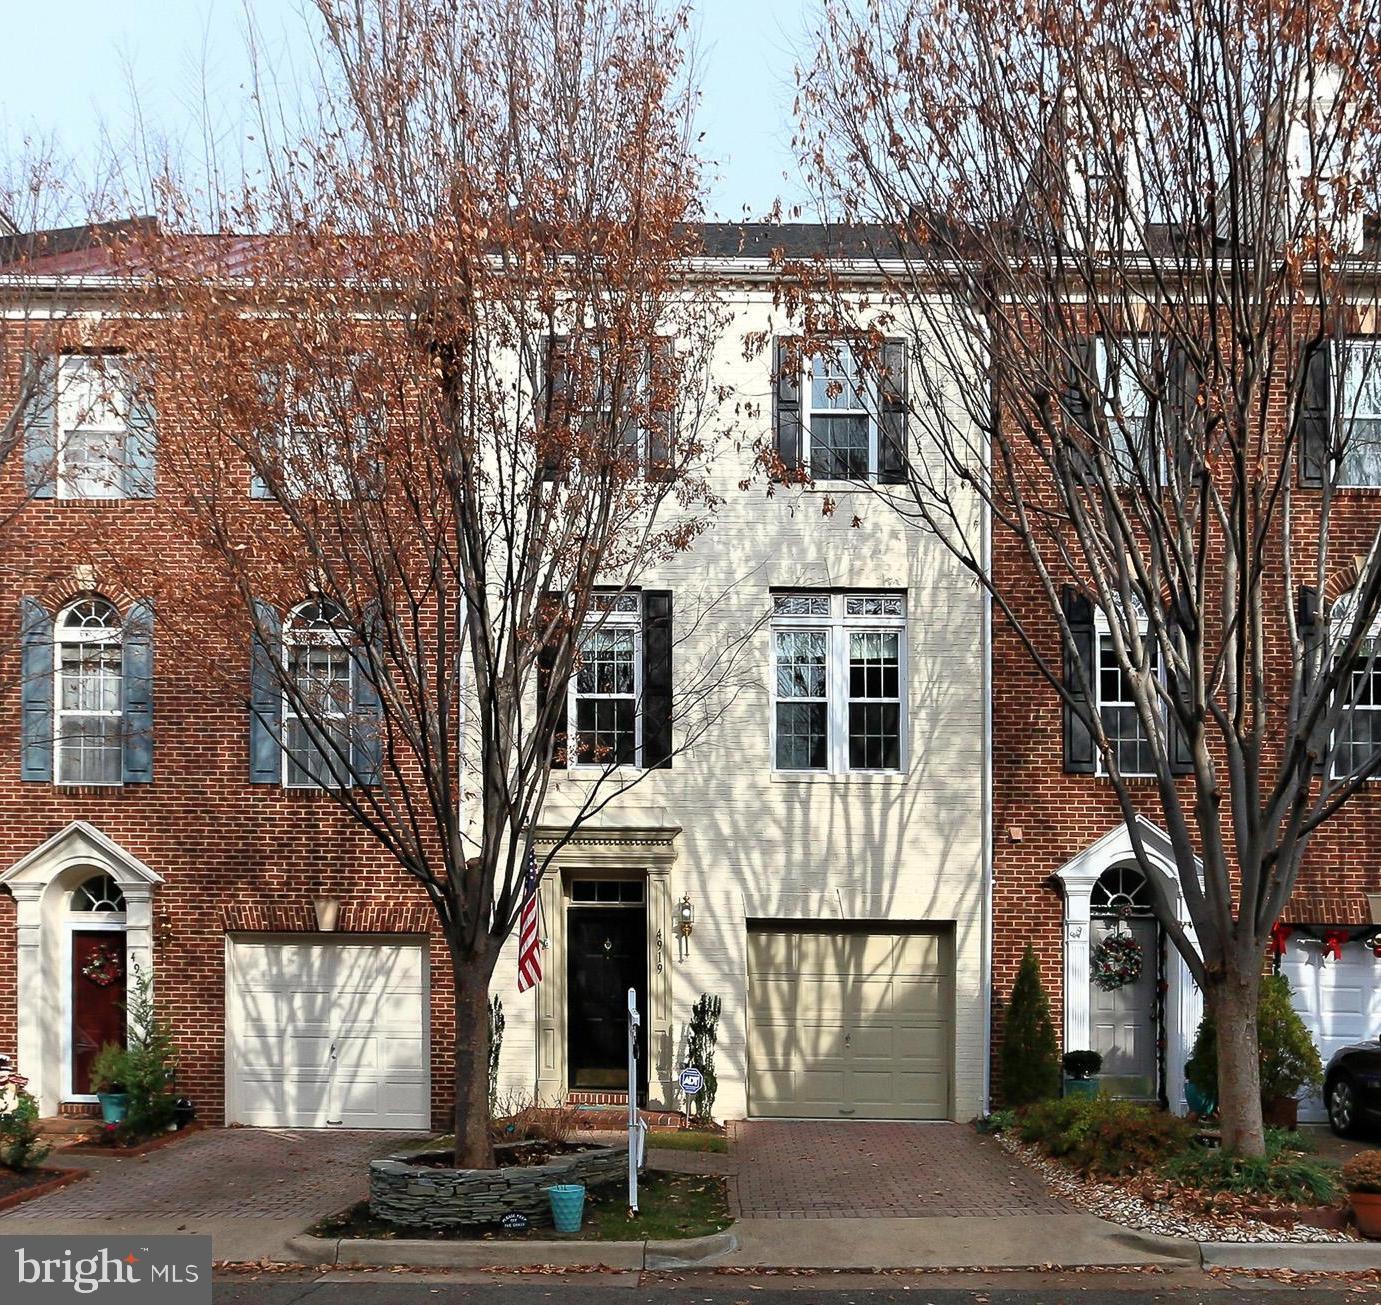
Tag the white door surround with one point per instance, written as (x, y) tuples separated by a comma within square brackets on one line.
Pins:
[(1183, 1002), (42, 882)]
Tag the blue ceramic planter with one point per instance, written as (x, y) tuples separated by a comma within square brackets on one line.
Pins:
[(114, 1105)]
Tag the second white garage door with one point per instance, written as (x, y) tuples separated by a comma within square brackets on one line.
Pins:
[(852, 1025), (327, 1033), (1338, 999)]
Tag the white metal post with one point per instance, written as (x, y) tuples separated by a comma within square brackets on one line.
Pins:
[(633, 1123)]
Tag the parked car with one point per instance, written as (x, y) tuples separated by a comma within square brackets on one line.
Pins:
[(1352, 1087)]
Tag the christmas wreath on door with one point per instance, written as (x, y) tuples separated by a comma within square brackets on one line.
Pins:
[(104, 967), (1116, 961)]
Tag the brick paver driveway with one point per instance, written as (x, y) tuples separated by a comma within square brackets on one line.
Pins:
[(297, 1176), (839, 1169)]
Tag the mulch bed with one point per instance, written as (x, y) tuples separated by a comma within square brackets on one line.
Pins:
[(97, 1147), (16, 1188)]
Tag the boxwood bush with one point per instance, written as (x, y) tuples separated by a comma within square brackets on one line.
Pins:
[(1102, 1135)]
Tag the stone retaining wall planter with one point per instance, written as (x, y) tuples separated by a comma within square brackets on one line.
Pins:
[(424, 1196)]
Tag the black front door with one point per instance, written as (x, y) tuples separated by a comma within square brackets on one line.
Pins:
[(607, 955)]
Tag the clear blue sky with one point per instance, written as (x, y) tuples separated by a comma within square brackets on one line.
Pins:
[(70, 69)]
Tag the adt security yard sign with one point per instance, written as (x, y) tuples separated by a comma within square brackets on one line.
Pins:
[(692, 1081)]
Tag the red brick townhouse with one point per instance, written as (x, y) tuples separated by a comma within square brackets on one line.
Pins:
[(827, 841), (1064, 871)]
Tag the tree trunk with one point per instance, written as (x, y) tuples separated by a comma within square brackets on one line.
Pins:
[(1233, 1002), (474, 1145)]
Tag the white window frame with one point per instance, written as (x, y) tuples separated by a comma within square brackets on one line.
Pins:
[(837, 625), (867, 389), (621, 611), (64, 637), (293, 638), (1350, 411), (78, 379), (1340, 618), (1102, 632)]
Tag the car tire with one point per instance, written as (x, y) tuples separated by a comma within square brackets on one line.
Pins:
[(1341, 1099)]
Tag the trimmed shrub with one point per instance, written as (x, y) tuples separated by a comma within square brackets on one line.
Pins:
[(20, 1145), (1000, 1121), (1289, 1059), (150, 1066), (702, 1035), (1363, 1173), (1102, 1135), (1030, 1052)]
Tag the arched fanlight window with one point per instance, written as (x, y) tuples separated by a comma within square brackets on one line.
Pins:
[(99, 893), (89, 697), (317, 646), (1121, 890)]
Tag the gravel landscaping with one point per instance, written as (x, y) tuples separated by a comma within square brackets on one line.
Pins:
[(1113, 1200)]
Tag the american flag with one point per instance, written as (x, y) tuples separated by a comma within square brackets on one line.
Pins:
[(529, 941)]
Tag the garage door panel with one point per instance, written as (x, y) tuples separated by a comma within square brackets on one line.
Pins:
[(290, 1002), (851, 1023)]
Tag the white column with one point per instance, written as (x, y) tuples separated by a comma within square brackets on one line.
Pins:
[(1184, 1008), (29, 995), (1077, 1031)]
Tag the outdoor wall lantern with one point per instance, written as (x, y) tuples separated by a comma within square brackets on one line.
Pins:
[(685, 923)]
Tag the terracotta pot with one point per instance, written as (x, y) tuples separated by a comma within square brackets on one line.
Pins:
[(1367, 1207), (1280, 1112)]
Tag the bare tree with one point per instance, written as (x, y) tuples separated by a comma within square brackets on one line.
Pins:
[(429, 417), (1128, 244)]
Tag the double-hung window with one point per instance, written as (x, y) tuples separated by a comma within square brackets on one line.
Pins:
[(317, 649), (93, 423), (1360, 465), (840, 417), (90, 748), (606, 688), (839, 667), (1121, 366), (1118, 712), (1358, 735)]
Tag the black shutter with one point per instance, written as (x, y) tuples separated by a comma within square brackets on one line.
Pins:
[(1078, 741), (40, 422), (546, 667), (1316, 412), (1075, 400), (137, 676), (266, 699), (1182, 422), (1308, 621), (657, 746), (36, 692), (554, 404), (787, 365), (1181, 754), (661, 417), (892, 408)]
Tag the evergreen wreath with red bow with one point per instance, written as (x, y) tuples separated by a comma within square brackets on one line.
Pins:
[(1116, 961)]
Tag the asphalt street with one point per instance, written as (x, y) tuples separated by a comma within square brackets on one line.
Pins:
[(635, 1289)]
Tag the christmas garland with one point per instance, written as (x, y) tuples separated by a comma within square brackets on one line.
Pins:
[(1116, 961), (103, 967)]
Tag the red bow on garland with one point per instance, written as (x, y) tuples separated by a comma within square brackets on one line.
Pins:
[(1279, 933), (1333, 942)]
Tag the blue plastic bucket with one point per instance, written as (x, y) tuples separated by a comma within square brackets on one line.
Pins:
[(567, 1206), (114, 1106)]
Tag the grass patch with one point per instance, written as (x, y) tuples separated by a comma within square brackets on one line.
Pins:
[(687, 1139), (670, 1205)]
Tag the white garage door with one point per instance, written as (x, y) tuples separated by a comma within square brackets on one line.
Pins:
[(327, 1033), (1339, 1000), (849, 1025)]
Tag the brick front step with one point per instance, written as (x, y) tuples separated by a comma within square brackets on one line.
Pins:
[(67, 1130)]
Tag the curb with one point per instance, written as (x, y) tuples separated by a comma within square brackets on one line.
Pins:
[(1319, 1257), (1181, 1249), (331, 1252)]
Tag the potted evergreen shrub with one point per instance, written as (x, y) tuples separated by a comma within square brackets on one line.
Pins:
[(109, 1078), (1362, 1177), (1289, 1059), (1081, 1073)]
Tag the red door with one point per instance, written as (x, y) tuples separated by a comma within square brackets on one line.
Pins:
[(98, 999)]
